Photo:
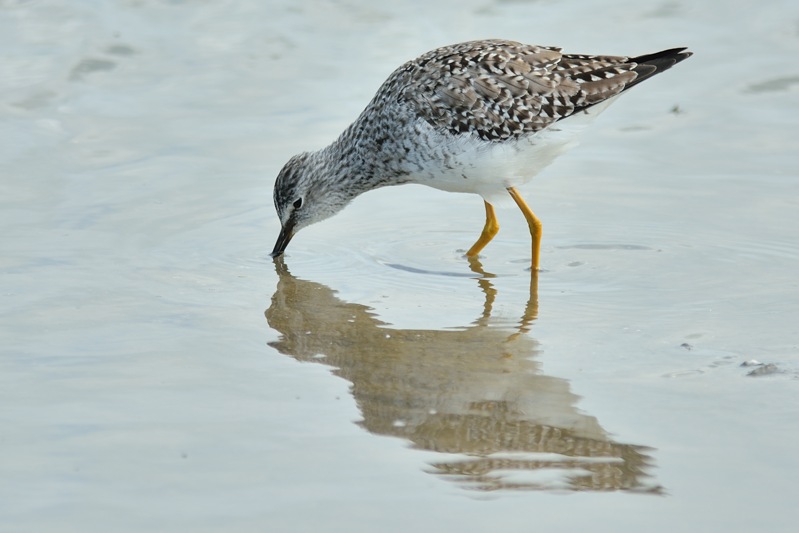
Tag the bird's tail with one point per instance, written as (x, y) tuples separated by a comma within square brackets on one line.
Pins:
[(650, 64)]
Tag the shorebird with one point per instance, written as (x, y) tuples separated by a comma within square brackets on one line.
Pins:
[(480, 117)]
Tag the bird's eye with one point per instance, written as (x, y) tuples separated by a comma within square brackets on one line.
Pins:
[(297, 203)]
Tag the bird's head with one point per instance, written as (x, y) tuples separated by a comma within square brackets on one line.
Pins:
[(306, 191)]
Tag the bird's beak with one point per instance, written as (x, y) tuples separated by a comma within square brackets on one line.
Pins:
[(286, 233)]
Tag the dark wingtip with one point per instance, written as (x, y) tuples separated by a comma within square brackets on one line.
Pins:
[(671, 57), (662, 60), (649, 65)]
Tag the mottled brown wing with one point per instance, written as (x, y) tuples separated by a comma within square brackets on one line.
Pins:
[(503, 89)]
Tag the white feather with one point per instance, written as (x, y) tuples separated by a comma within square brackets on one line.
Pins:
[(489, 168)]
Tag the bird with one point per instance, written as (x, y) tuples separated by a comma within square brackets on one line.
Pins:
[(481, 117)]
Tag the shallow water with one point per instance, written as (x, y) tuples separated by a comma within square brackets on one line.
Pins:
[(160, 371)]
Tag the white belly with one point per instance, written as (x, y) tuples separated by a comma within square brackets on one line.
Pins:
[(469, 164)]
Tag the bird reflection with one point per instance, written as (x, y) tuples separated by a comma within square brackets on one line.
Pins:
[(477, 395)]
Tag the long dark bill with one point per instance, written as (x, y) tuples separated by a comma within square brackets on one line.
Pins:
[(286, 233)]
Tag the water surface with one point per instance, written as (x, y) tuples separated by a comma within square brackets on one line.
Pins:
[(160, 371)]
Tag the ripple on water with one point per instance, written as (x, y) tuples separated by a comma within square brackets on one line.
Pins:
[(404, 261), (414, 278), (604, 246), (666, 272), (653, 261)]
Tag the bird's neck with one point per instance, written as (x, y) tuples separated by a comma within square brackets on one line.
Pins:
[(365, 156)]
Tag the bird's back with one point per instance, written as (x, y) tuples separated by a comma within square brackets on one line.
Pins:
[(500, 90)]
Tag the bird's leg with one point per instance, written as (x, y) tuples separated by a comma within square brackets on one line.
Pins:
[(491, 228), (532, 221)]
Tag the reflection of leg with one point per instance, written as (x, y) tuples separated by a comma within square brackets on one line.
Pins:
[(531, 309), (491, 228), (484, 280), (532, 222), (530, 313)]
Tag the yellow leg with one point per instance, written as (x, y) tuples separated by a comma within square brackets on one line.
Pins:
[(532, 221), (491, 228)]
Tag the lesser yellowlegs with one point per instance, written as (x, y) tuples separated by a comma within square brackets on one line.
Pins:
[(481, 117)]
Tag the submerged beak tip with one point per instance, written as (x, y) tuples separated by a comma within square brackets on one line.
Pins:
[(282, 242)]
